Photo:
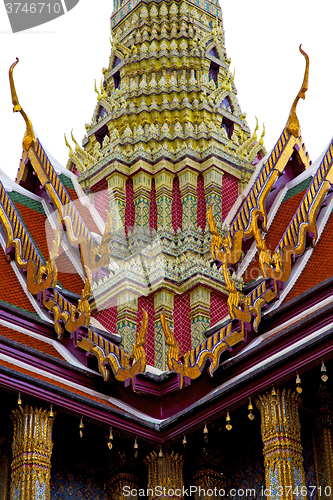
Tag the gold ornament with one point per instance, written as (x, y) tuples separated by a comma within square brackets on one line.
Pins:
[(324, 376), (250, 410), (205, 433), (81, 426), (19, 400), (228, 424), (298, 384)]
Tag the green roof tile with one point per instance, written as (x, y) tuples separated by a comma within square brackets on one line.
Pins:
[(297, 189), (26, 201)]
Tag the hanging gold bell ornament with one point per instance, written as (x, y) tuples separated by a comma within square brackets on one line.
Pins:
[(250, 410), (81, 426), (324, 376), (136, 448), (228, 420), (19, 400), (110, 445), (205, 433), (298, 384)]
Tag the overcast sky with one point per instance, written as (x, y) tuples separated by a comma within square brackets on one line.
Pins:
[(59, 62)]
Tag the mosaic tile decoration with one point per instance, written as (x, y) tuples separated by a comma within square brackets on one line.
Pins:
[(202, 208), (66, 486), (308, 464), (229, 193), (153, 207), (248, 472), (101, 198), (176, 208)]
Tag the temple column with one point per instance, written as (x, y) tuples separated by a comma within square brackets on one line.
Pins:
[(163, 187), (323, 444), (116, 189), (127, 309), (208, 477), (200, 314), (163, 300), (281, 435), (32, 449), (122, 478), (213, 192), (165, 475), (188, 180), (142, 193)]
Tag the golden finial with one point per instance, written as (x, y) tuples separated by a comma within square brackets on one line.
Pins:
[(261, 141), (104, 94), (99, 97), (293, 124), (77, 147), (29, 136), (69, 146), (255, 137)]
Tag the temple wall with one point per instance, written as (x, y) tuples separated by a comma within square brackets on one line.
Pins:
[(77, 482)]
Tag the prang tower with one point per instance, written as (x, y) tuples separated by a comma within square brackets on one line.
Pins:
[(167, 140)]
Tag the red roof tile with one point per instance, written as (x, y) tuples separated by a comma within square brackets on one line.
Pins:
[(280, 223), (35, 223), (11, 290), (319, 266), (51, 381), (24, 339), (68, 276)]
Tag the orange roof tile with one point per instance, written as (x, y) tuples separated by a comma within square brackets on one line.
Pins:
[(51, 381), (24, 339), (319, 266), (280, 223), (10, 288), (35, 223), (68, 276)]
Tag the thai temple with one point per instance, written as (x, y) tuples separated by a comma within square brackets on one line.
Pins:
[(165, 298)]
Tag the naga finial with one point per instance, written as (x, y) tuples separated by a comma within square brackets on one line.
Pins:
[(293, 126), (29, 136), (99, 97), (71, 154), (254, 136), (261, 141)]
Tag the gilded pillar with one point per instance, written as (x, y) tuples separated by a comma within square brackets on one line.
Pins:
[(142, 194), (163, 300), (122, 478), (200, 314), (32, 449), (127, 309), (163, 187), (213, 192), (188, 179), (165, 475), (323, 444), (117, 196), (281, 435), (208, 477)]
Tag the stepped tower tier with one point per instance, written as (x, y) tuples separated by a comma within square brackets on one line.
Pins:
[(167, 140)]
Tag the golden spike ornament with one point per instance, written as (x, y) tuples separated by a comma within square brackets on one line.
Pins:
[(29, 136), (99, 97), (293, 126)]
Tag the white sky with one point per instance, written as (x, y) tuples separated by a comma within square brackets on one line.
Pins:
[(60, 60)]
